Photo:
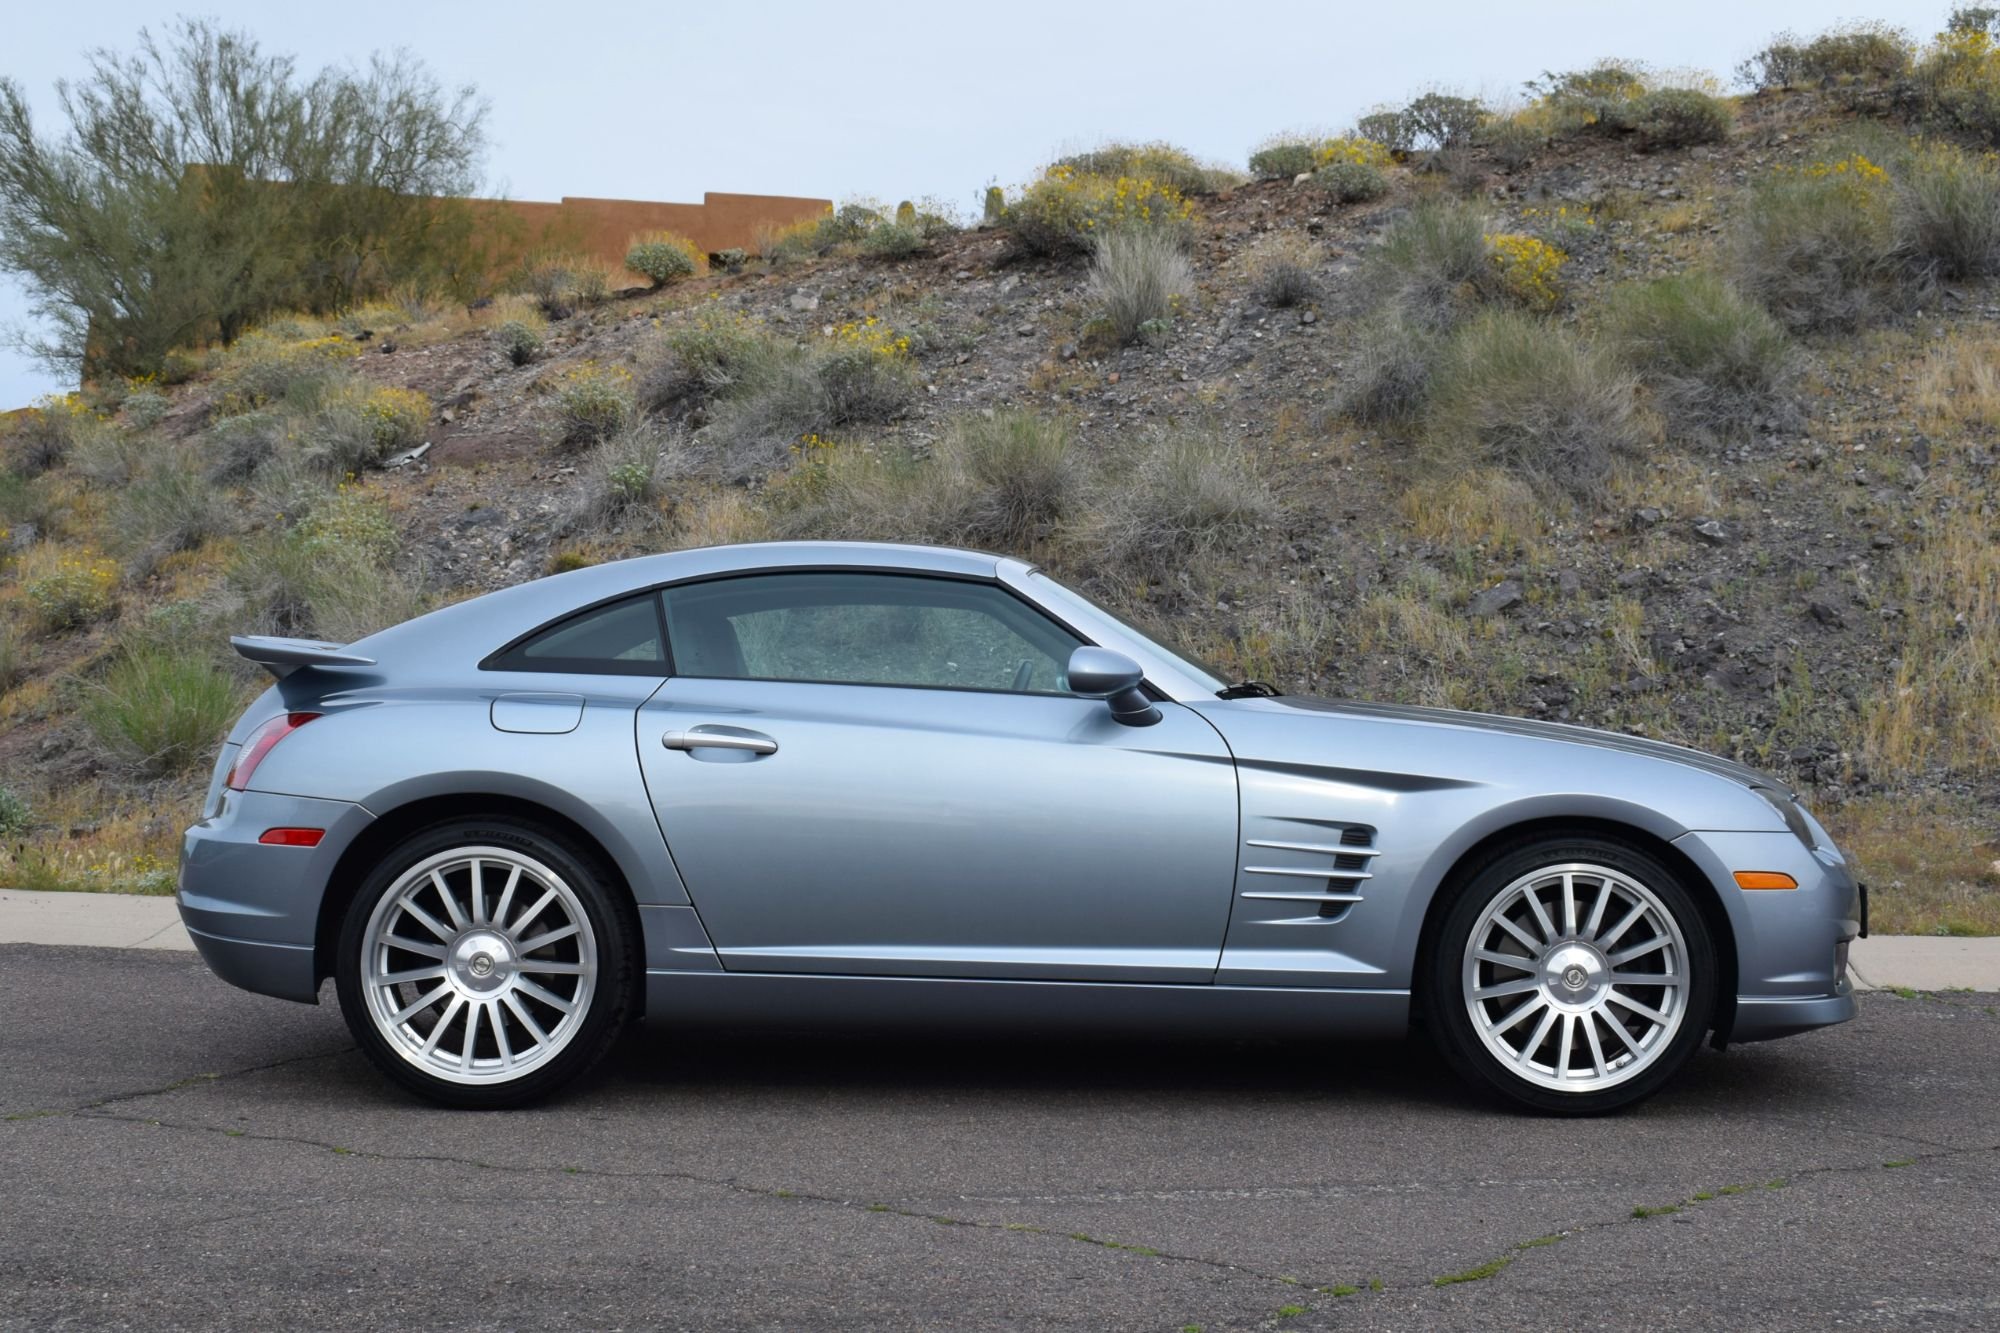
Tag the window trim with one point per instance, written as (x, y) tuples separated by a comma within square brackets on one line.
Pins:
[(1082, 641), (509, 656), (496, 660)]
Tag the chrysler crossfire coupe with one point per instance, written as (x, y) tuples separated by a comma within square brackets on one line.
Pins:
[(784, 783)]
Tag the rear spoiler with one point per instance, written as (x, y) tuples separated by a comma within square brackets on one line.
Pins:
[(281, 657)]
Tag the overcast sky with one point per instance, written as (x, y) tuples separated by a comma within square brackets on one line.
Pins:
[(663, 99)]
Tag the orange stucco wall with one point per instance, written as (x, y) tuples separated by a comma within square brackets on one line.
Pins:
[(603, 228)]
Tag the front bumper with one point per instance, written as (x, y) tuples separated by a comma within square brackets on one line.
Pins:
[(251, 909), (1791, 944)]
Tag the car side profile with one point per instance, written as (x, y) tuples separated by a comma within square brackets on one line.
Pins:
[(791, 781)]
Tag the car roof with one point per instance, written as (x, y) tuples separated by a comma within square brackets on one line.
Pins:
[(469, 630)]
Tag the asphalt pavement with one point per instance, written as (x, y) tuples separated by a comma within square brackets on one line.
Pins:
[(175, 1153)]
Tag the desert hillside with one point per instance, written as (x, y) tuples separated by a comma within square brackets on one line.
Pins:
[(1636, 405)]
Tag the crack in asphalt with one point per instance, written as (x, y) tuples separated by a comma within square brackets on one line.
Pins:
[(190, 1081), (97, 1111), (1500, 1263)]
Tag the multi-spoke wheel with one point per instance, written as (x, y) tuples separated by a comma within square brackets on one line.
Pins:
[(483, 963), (1574, 975)]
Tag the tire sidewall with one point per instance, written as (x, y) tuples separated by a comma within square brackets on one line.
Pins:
[(1443, 986), (611, 919)]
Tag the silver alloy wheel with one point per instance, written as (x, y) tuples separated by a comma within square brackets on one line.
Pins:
[(478, 965), (1576, 977)]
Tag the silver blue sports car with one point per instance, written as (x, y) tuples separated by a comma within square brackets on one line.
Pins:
[(789, 782)]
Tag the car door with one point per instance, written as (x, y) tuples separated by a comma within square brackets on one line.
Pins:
[(882, 774)]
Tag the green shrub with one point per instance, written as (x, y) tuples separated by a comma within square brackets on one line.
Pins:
[(664, 257), (1856, 53), (893, 240), (332, 575), (1139, 278), (519, 341), (1022, 476), (72, 591), (1435, 120), (1283, 158), (1351, 182), (1192, 490), (161, 711), (698, 357), (1817, 246), (589, 403), (144, 407), (171, 506), (1429, 261), (1161, 162), (108, 460), (266, 369), (774, 392), (1065, 210), (1512, 141), (1529, 396), (1681, 118), (1948, 213), (16, 817), (1716, 362), (1599, 98)]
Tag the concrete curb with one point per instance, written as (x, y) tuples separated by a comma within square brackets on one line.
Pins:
[(133, 921)]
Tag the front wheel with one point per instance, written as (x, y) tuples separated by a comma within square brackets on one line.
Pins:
[(1571, 975), (484, 963)]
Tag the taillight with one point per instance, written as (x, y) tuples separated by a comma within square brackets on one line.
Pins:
[(259, 743)]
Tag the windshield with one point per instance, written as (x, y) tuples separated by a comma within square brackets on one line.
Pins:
[(1056, 594)]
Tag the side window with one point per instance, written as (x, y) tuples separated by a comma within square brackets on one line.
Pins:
[(866, 629), (623, 638)]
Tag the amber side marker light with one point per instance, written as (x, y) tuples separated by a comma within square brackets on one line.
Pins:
[(292, 837), (1764, 879)]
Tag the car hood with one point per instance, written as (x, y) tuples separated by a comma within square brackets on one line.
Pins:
[(1548, 731)]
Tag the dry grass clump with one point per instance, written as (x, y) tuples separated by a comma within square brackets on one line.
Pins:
[(1389, 372), (587, 404), (160, 710), (1479, 509), (1958, 384), (1942, 704), (774, 392), (1948, 213), (171, 506), (562, 284), (622, 482), (1531, 397), (1932, 868), (1139, 277), (1817, 246), (1283, 267), (1717, 363), (1191, 491), (1429, 260), (1022, 477)]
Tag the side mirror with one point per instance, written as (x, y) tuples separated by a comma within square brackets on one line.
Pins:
[(1099, 673)]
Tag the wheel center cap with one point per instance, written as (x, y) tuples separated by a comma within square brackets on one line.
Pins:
[(1573, 977), (481, 961), (1574, 974)]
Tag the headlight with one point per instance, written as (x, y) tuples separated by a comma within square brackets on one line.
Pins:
[(1788, 810)]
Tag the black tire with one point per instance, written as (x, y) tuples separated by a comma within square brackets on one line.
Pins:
[(604, 946), (1448, 975)]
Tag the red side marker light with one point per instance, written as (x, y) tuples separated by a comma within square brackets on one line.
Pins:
[(292, 837), (259, 743)]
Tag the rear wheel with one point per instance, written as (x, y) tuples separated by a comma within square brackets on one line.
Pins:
[(484, 963), (1571, 975)]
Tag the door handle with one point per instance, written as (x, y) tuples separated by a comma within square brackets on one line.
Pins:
[(718, 740)]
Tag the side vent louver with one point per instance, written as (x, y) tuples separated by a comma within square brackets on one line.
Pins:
[(1286, 871)]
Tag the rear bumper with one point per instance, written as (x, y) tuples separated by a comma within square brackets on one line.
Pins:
[(252, 910)]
